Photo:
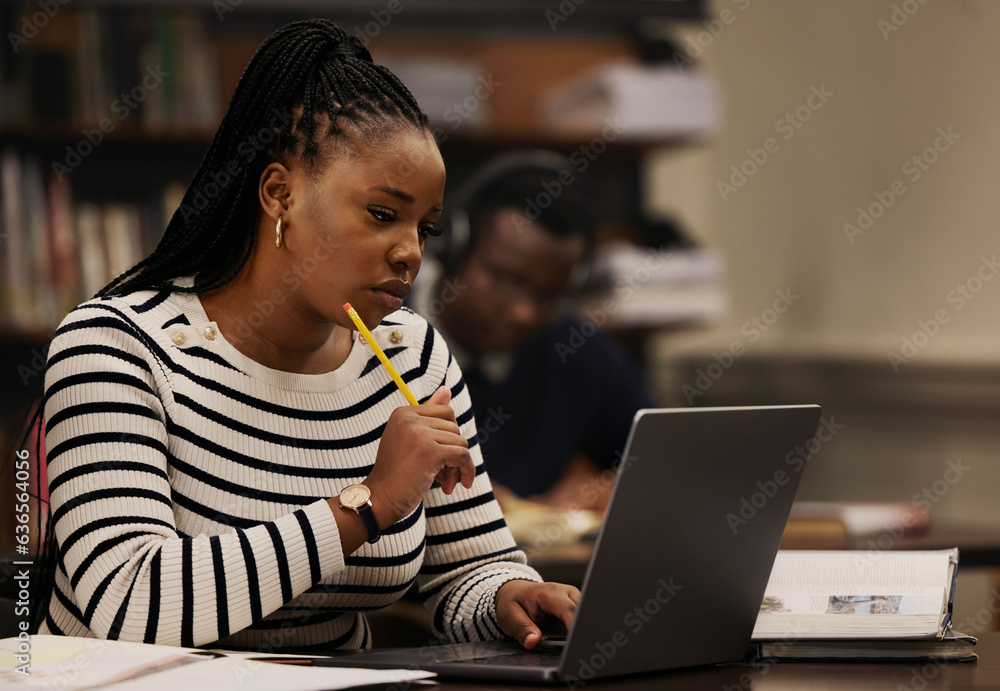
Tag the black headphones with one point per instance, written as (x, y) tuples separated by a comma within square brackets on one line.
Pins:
[(455, 241)]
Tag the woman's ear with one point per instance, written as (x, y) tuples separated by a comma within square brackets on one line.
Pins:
[(273, 190)]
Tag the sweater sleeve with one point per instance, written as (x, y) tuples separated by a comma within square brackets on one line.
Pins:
[(131, 575), (470, 551)]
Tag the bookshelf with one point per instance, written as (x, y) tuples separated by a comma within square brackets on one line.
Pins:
[(91, 125)]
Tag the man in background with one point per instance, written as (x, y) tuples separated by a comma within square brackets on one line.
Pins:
[(516, 245)]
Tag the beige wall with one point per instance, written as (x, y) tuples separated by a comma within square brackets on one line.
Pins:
[(784, 229), (784, 226)]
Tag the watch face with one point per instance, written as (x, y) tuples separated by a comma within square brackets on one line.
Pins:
[(354, 495)]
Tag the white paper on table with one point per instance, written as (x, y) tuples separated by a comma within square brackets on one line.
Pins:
[(235, 674), (78, 663)]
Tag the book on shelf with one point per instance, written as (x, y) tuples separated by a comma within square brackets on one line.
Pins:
[(634, 287), (131, 67), (647, 101), (56, 252), (453, 92), (867, 518), (836, 524), (861, 603)]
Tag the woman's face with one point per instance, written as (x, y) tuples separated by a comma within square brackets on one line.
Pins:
[(357, 226)]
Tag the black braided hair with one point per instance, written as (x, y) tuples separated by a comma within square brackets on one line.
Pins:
[(311, 78)]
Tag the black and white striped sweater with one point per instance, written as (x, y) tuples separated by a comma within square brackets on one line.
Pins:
[(189, 484)]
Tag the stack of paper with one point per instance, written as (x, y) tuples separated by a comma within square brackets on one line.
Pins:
[(71, 662), (649, 287), (650, 101), (454, 93)]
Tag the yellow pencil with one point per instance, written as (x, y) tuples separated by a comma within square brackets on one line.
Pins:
[(381, 356)]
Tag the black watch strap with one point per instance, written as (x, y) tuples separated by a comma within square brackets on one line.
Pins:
[(368, 516)]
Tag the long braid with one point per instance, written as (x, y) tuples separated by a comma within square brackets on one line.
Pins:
[(304, 75)]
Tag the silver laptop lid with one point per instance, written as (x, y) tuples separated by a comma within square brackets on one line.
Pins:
[(697, 513)]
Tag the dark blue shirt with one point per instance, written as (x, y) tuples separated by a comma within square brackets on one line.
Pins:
[(571, 391)]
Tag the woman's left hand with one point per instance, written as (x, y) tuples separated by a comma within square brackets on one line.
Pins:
[(523, 606)]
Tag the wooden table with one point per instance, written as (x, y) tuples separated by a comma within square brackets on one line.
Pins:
[(805, 676)]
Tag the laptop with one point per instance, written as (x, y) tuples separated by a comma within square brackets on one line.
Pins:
[(679, 567)]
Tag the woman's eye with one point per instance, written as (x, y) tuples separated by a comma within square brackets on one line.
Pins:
[(431, 230), (383, 215)]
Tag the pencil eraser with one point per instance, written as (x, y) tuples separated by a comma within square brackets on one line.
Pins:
[(347, 307)]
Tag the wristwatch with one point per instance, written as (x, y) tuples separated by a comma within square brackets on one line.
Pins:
[(358, 498)]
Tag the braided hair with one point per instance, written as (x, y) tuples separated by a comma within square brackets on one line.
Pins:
[(311, 78)]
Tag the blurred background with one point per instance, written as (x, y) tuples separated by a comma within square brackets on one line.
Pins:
[(798, 196)]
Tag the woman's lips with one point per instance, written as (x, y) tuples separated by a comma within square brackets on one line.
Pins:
[(401, 289), (391, 301)]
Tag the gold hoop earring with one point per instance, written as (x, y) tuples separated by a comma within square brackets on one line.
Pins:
[(278, 234)]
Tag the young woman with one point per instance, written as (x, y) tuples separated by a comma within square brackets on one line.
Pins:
[(228, 463)]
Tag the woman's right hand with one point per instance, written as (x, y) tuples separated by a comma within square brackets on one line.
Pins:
[(420, 444)]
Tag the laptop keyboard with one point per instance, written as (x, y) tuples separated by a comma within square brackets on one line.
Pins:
[(547, 654), (521, 658)]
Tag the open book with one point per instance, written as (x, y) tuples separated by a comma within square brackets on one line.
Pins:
[(866, 594)]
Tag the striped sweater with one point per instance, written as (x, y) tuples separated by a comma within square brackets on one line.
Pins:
[(189, 484)]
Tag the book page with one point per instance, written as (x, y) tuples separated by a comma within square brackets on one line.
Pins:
[(840, 572), (914, 601)]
